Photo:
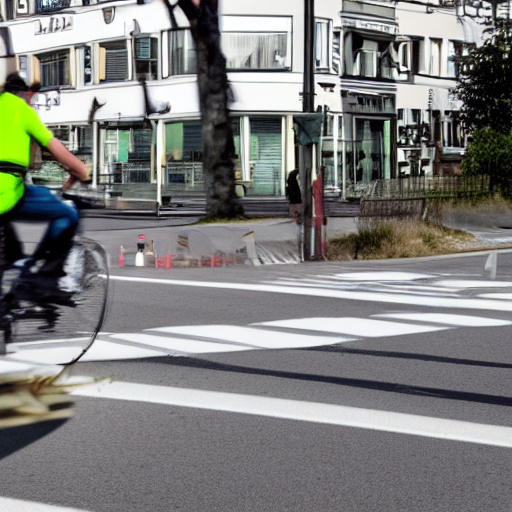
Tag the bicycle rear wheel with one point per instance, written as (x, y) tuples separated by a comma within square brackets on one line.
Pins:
[(50, 331)]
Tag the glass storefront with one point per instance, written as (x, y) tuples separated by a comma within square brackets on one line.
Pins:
[(125, 155), (261, 144), (368, 155), (184, 155)]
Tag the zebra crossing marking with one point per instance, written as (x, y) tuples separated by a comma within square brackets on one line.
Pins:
[(256, 338), (445, 318), (314, 412), (366, 327)]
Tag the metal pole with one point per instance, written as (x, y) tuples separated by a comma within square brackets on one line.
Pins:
[(308, 105)]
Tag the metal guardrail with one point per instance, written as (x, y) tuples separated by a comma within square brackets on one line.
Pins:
[(411, 187)]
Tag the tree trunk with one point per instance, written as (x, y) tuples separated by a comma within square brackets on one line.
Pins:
[(218, 145)]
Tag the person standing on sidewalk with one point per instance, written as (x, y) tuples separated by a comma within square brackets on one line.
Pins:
[(294, 196)]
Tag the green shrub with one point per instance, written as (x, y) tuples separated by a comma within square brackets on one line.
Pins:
[(490, 153)]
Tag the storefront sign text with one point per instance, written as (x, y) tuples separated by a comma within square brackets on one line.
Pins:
[(54, 24)]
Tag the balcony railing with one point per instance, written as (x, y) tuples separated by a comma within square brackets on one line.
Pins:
[(48, 6)]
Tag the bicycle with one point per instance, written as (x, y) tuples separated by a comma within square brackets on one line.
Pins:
[(32, 315)]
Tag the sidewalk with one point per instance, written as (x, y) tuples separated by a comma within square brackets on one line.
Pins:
[(276, 239)]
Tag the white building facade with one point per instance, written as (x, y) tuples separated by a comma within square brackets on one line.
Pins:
[(383, 72)]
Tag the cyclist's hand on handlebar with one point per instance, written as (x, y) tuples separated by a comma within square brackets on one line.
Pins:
[(68, 183)]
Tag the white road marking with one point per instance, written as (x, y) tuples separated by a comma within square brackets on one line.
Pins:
[(12, 505), (502, 296), (103, 350), (180, 345), (474, 284), (353, 326), (383, 276), (443, 318), (59, 355), (330, 414), (11, 370), (388, 298), (254, 338)]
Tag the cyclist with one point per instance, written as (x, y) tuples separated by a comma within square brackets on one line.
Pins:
[(19, 123)]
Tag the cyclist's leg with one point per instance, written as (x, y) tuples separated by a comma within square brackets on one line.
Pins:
[(39, 203), (11, 247)]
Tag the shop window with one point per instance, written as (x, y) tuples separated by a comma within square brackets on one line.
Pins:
[(435, 57), (182, 53), (184, 156), (146, 57), (126, 155), (372, 150), (61, 133), (54, 69), (113, 61), (257, 42), (84, 140), (322, 48)]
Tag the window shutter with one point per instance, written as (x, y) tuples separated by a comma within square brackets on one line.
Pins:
[(266, 154), (116, 69)]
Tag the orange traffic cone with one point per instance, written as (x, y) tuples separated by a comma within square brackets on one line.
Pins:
[(168, 263), (121, 256)]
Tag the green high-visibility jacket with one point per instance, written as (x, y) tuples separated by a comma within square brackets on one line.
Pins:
[(18, 123)]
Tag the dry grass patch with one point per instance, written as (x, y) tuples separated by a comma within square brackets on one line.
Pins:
[(397, 239)]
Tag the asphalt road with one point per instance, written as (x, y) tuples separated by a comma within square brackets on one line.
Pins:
[(363, 386)]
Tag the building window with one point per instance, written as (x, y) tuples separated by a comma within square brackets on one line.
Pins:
[(84, 65), (257, 42), (146, 57), (84, 140), (403, 55), (182, 53), (336, 53), (54, 68), (9, 10), (453, 135), (47, 6), (418, 55), (435, 57), (23, 67), (456, 50), (113, 61), (255, 51), (322, 47), (365, 62)]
